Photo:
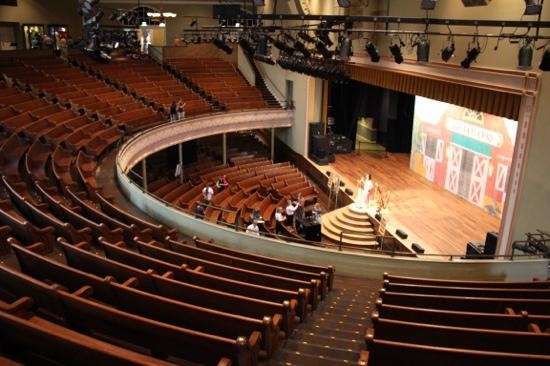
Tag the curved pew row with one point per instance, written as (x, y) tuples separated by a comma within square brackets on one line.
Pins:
[(32, 339), (127, 297), (78, 311)]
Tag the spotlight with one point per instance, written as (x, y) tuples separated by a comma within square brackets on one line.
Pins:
[(345, 48), (532, 7), (525, 55), (427, 4), (344, 3), (306, 37), (448, 51), (471, 56), (372, 51), (475, 2), (545, 61), (422, 45), (395, 50)]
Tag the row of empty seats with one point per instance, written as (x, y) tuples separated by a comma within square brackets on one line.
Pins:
[(433, 322)]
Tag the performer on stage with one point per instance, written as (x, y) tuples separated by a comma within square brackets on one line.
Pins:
[(359, 196), (367, 187)]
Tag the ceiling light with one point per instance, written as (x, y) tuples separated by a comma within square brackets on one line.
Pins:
[(427, 4), (344, 3), (395, 50), (545, 61), (475, 2), (532, 7), (525, 55), (448, 51), (422, 45)]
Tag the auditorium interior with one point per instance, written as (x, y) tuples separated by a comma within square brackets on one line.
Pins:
[(391, 152)]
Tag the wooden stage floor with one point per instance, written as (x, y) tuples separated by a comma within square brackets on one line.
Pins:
[(440, 221)]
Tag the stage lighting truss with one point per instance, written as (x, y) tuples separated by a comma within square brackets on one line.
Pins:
[(331, 70)]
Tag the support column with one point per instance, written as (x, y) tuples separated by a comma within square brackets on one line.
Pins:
[(180, 158), (224, 148), (144, 173)]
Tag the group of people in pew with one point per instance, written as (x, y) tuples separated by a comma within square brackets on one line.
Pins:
[(296, 212), (177, 111)]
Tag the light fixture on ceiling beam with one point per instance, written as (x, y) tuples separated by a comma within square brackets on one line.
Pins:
[(344, 3), (422, 44), (449, 50), (372, 51), (428, 4), (525, 55), (532, 7), (471, 54), (468, 3)]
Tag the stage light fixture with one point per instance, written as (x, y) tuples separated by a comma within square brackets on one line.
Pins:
[(532, 7), (545, 61), (306, 37), (344, 3), (468, 3), (372, 51), (345, 48), (395, 50), (525, 55), (471, 56), (422, 45), (448, 51), (428, 4)]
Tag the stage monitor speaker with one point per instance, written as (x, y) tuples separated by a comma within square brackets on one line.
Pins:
[(400, 233), (417, 248), (316, 128), (491, 240)]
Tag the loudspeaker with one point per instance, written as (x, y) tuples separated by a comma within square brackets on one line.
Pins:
[(491, 240), (400, 233), (320, 145), (417, 248)]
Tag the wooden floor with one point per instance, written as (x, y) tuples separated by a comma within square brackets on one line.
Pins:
[(438, 220)]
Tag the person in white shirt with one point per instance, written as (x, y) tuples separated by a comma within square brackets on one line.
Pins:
[(289, 210), (253, 228), (207, 194), (279, 219)]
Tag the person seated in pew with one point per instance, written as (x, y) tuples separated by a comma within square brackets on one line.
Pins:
[(199, 212), (256, 215), (253, 228), (222, 183)]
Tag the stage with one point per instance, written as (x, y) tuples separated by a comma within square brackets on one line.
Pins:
[(441, 222)]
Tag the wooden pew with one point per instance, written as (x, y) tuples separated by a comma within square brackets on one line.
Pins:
[(5, 231), (33, 339), (73, 216), (383, 353), (253, 265), (239, 274), (86, 206), (218, 248), (79, 312), (460, 337), (172, 282), (506, 321), (159, 232), (24, 229), (466, 303), (153, 306), (525, 293), (467, 283), (125, 263)]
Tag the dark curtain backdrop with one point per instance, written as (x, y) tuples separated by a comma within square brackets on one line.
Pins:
[(392, 113)]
